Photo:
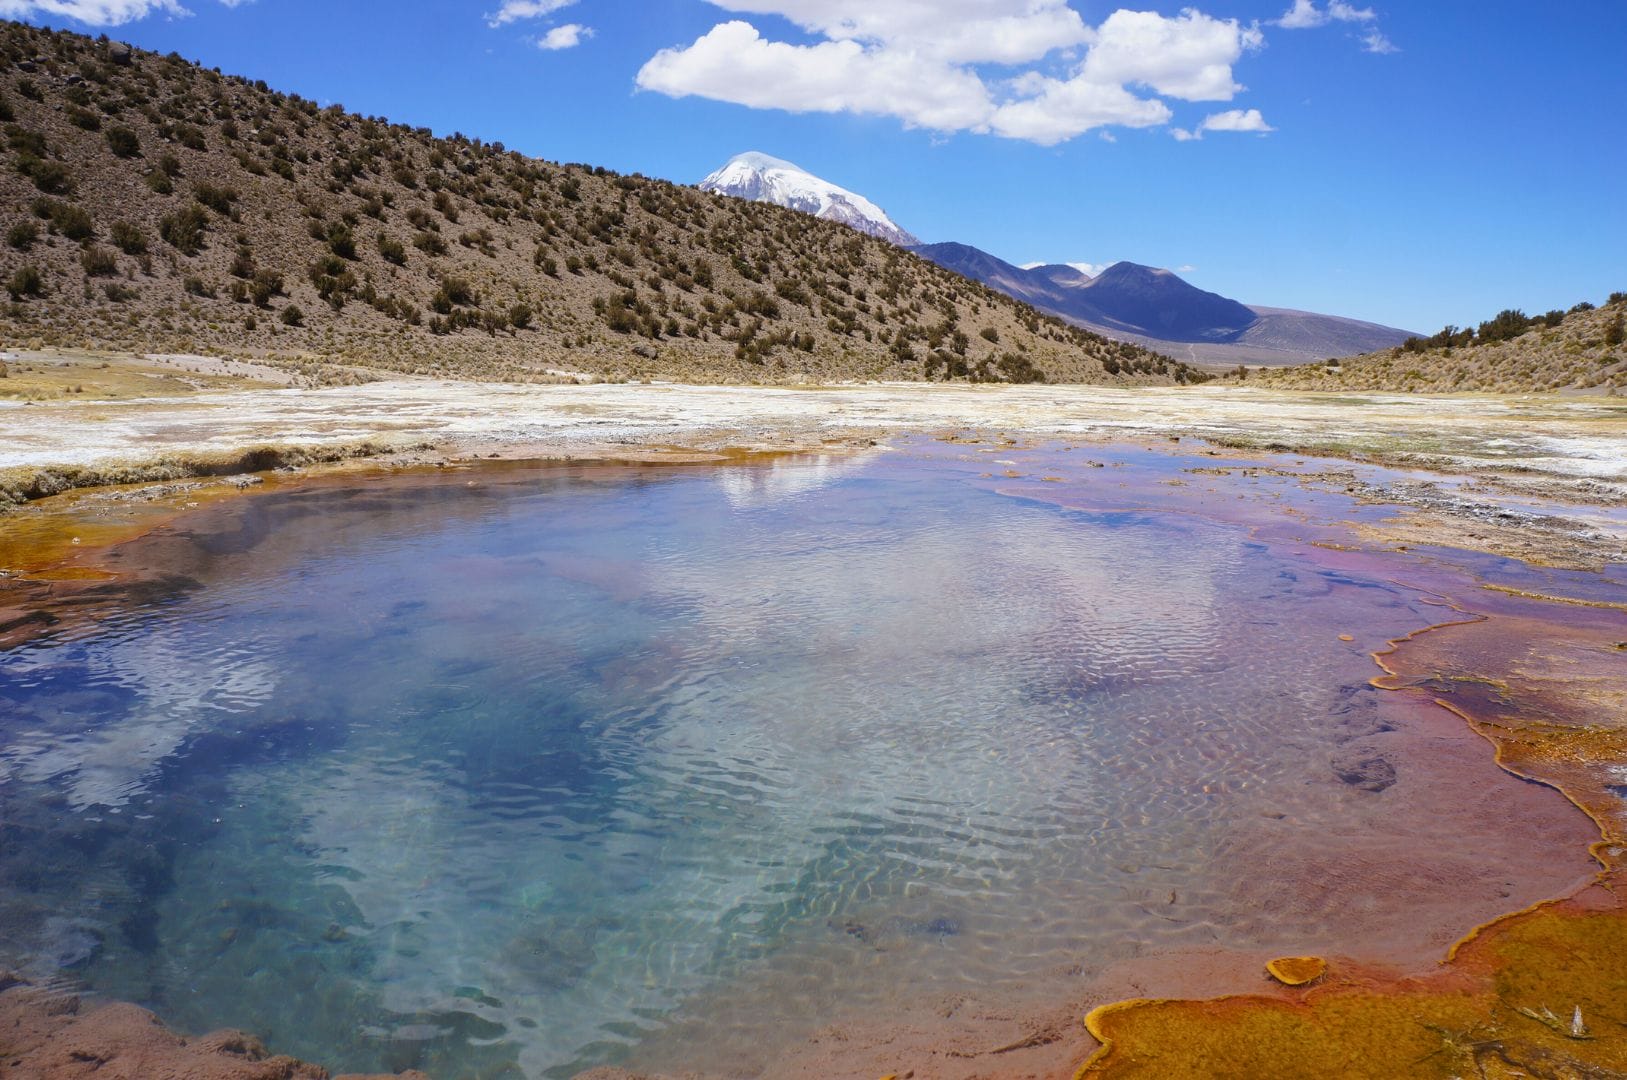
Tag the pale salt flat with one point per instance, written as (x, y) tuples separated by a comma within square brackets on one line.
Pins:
[(1574, 438)]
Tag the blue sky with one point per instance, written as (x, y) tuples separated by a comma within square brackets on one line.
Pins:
[(1412, 164)]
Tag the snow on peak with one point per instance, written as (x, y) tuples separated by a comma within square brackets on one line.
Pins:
[(753, 159), (762, 178)]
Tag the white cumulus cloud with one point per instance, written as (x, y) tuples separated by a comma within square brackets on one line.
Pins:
[(1230, 120), (91, 12), (568, 36), (1237, 120), (1064, 108), (1189, 57), (1305, 15), (1374, 41), (929, 64), (961, 31), (516, 10), (732, 62)]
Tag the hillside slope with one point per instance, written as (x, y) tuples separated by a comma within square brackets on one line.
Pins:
[(1579, 351), (150, 204)]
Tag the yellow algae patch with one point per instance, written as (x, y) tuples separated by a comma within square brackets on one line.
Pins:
[(1546, 999), (1297, 970), (1249, 1038)]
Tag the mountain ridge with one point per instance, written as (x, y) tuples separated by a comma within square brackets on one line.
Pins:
[(1161, 310), (149, 204), (1145, 305)]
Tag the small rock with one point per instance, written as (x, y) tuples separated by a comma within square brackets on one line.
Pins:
[(1363, 769)]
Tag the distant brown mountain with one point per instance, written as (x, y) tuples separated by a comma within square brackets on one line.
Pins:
[(151, 204)]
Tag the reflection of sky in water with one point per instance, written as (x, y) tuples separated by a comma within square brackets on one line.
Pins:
[(149, 693), (511, 782)]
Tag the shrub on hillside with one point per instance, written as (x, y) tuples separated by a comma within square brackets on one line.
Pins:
[(23, 235), (127, 238), (342, 242), (71, 221), (454, 292), (123, 142), (266, 284), (392, 250), (26, 282), (99, 262), (51, 177), (1507, 325), (184, 230), (215, 197), (1019, 369)]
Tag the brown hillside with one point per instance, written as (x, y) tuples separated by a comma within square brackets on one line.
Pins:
[(154, 205), (1581, 350)]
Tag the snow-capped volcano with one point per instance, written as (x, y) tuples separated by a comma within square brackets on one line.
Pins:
[(761, 178)]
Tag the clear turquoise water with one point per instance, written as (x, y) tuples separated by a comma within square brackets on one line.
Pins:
[(501, 774)]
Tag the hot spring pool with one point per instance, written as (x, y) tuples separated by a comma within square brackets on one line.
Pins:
[(515, 771)]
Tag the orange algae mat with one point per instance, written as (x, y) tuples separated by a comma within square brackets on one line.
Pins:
[(1540, 993)]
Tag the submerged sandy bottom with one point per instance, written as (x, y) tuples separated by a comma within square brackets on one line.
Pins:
[(827, 767)]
